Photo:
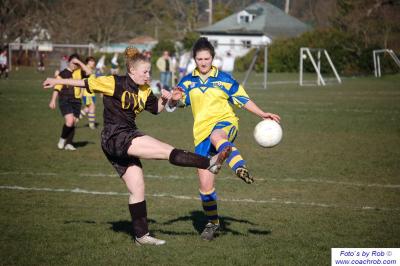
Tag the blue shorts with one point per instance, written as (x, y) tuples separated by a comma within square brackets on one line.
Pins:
[(87, 100), (205, 148)]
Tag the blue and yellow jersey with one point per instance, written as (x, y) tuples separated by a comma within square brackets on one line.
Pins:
[(211, 100)]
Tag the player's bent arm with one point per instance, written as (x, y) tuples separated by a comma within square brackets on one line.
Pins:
[(84, 67), (53, 99), (253, 108)]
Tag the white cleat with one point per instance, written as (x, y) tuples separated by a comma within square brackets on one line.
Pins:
[(149, 240), (218, 159), (69, 147), (61, 143)]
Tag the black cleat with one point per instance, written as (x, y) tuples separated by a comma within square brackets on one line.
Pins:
[(210, 231), (243, 173)]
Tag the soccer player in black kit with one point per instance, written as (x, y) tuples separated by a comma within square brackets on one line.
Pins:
[(69, 100), (124, 145)]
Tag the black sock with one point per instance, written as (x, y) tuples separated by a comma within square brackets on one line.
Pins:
[(139, 218), (66, 131), (188, 159), (70, 135)]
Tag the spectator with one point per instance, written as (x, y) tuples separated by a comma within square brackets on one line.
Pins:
[(228, 63), (183, 64), (114, 65), (164, 66), (3, 63), (100, 66)]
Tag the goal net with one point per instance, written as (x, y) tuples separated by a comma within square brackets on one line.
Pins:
[(315, 57)]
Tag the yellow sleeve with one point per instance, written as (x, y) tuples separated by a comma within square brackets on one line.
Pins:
[(102, 84), (58, 87)]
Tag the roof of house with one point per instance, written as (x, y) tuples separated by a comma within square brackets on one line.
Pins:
[(269, 20), (142, 40)]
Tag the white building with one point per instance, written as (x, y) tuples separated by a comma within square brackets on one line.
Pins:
[(257, 24)]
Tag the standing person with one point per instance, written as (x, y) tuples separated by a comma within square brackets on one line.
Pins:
[(210, 93), (124, 145), (114, 65), (89, 98), (69, 100), (183, 63), (63, 65), (3, 63), (41, 67), (164, 66), (228, 63), (100, 66)]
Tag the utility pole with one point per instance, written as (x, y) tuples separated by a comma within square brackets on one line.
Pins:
[(210, 12), (287, 3)]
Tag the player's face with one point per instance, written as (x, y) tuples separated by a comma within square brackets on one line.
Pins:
[(72, 66), (92, 64), (141, 73), (203, 61)]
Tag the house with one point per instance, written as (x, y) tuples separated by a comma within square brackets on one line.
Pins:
[(257, 24), (141, 42)]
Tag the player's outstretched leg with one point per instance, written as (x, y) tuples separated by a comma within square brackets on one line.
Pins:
[(235, 161), (189, 159)]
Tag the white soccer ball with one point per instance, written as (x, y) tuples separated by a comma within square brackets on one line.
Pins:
[(268, 133)]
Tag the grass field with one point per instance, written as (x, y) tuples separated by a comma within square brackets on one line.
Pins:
[(334, 181)]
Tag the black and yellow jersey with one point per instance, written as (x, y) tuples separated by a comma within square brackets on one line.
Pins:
[(123, 100), (70, 92)]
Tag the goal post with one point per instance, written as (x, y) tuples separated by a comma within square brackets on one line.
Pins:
[(307, 53), (377, 60)]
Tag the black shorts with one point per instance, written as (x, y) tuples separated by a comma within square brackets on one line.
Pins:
[(115, 146), (70, 106)]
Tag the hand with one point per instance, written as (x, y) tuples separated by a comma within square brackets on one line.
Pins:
[(165, 95), (49, 83), (272, 116), (76, 61), (177, 93), (52, 105)]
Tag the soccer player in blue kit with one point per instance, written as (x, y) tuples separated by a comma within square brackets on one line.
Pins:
[(211, 93)]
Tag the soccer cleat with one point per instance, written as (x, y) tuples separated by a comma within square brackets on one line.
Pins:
[(69, 147), (148, 240), (61, 143), (210, 231), (243, 173), (92, 126), (217, 160)]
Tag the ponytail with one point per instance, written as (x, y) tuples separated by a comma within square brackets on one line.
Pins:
[(133, 56)]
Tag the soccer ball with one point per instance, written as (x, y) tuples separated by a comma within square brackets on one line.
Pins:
[(268, 133)]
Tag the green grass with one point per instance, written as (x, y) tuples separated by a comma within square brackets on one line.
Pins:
[(333, 181)]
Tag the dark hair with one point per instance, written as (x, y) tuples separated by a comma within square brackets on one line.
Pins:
[(90, 58), (73, 56), (203, 44)]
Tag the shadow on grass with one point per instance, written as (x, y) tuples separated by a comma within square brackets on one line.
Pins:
[(198, 220), (82, 143)]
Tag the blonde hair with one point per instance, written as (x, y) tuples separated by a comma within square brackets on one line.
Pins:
[(133, 56)]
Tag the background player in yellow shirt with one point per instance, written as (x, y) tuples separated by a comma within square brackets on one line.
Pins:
[(124, 145), (211, 94), (89, 99), (69, 100)]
